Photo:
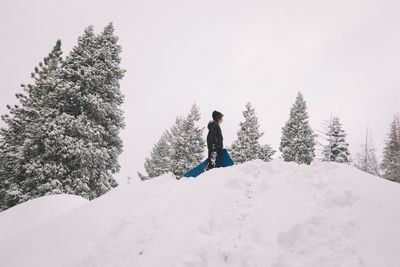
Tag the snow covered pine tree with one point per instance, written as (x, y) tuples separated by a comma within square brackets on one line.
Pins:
[(21, 142), (187, 143), (391, 153), (159, 161), (184, 143), (85, 130), (298, 139), (336, 149), (72, 144), (247, 147)]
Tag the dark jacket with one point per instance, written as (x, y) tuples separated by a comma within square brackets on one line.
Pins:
[(214, 136)]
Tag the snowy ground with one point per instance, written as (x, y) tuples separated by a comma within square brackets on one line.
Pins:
[(256, 214)]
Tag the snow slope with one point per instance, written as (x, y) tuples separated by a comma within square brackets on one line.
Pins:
[(255, 214), (30, 213)]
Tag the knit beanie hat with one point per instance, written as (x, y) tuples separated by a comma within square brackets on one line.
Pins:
[(216, 115)]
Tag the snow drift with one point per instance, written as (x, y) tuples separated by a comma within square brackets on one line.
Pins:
[(30, 213), (255, 214)]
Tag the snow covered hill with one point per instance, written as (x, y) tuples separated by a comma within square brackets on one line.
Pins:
[(256, 214)]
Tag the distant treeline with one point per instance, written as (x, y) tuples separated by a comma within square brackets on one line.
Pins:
[(182, 147)]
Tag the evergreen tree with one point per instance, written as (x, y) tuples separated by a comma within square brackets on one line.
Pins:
[(22, 138), (159, 161), (247, 147), (298, 139), (336, 148), (266, 153), (366, 159), (179, 149), (66, 138), (85, 131), (391, 153), (186, 143)]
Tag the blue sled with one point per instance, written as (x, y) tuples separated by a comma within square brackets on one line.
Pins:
[(224, 161)]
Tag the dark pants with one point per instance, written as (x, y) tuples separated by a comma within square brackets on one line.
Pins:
[(213, 157)]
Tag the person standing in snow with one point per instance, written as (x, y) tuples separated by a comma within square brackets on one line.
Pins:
[(214, 140)]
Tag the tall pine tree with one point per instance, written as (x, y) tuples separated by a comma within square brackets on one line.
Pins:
[(336, 149), (298, 140), (22, 139), (391, 153), (247, 147), (89, 116), (67, 138)]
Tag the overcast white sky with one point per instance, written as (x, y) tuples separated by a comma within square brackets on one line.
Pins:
[(343, 55)]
